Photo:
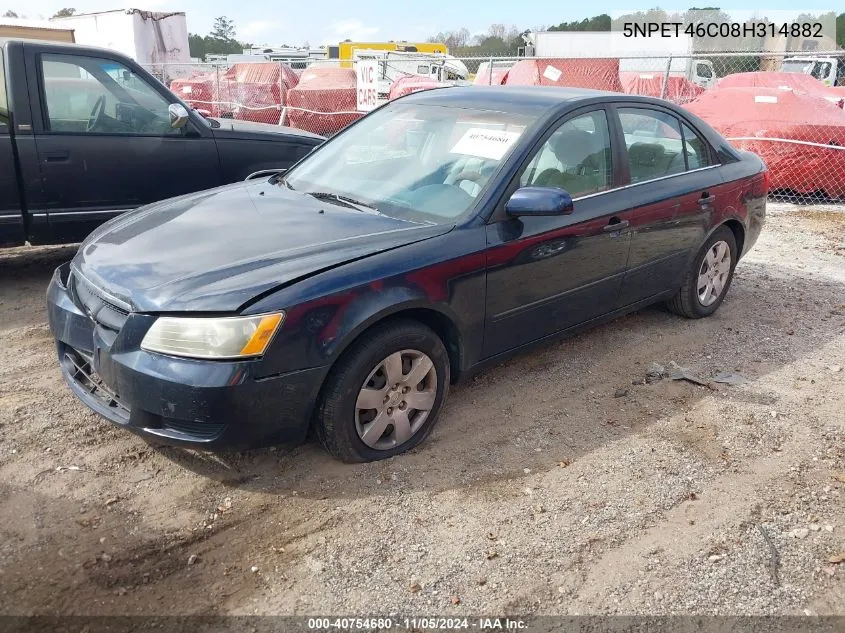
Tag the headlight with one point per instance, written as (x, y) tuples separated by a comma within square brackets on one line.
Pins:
[(223, 337)]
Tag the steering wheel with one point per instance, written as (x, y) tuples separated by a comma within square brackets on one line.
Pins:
[(96, 113), (472, 176)]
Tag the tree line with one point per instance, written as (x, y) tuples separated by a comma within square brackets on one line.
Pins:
[(500, 40), (61, 13), (221, 41)]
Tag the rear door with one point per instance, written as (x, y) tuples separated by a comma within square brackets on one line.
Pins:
[(672, 189), (11, 216), (104, 140), (547, 274)]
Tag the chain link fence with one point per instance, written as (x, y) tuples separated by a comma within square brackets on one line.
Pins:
[(787, 107)]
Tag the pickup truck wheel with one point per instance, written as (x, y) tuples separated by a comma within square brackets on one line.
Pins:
[(709, 277), (384, 395)]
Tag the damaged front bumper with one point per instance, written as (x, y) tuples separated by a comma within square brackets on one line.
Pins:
[(181, 401)]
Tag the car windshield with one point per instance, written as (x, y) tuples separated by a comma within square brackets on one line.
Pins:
[(818, 69), (424, 163), (797, 66)]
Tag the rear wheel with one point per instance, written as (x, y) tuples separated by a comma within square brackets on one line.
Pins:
[(707, 281), (385, 394)]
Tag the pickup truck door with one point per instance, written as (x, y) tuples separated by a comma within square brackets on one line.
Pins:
[(11, 216), (104, 140)]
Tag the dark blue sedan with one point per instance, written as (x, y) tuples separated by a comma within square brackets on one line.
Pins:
[(438, 234)]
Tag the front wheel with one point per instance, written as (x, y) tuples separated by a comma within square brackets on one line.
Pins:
[(385, 394), (707, 281)]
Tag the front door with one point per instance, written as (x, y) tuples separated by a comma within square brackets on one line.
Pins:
[(105, 144), (547, 274)]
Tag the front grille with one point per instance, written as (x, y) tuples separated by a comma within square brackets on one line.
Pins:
[(92, 302), (79, 367), (196, 430)]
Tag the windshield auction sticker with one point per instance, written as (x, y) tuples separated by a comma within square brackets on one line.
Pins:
[(483, 143), (722, 31)]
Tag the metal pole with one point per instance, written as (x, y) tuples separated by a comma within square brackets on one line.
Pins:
[(490, 72), (666, 78), (215, 98), (282, 95)]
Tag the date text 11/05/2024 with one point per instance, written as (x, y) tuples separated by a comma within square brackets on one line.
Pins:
[(723, 29), (417, 624)]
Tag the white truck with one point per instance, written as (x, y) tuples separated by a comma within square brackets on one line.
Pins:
[(829, 69), (636, 54), (156, 40), (396, 64)]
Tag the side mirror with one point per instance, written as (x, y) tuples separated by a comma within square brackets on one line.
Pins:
[(539, 201), (265, 173), (178, 115)]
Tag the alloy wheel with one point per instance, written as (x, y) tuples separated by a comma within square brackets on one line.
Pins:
[(714, 273), (396, 399)]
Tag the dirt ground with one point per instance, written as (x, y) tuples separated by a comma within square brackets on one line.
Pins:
[(559, 482)]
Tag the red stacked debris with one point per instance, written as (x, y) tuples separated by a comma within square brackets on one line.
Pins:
[(324, 101), (785, 81), (678, 89), (411, 83), (796, 133), (598, 74)]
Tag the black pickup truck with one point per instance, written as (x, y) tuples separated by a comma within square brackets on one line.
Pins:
[(86, 134)]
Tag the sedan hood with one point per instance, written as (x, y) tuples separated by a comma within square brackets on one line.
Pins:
[(218, 249)]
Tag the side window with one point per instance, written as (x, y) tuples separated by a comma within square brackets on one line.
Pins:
[(100, 96), (654, 143), (576, 157), (821, 70), (4, 104), (696, 149), (703, 70)]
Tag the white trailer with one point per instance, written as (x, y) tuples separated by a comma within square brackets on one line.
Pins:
[(636, 54), (156, 40), (396, 64), (829, 69)]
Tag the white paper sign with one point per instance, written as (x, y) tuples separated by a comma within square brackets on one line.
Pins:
[(551, 73), (484, 143), (765, 99), (187, 89), (646, 76), (367, 84)]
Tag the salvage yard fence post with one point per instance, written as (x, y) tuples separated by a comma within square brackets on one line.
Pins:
[(666, 77)]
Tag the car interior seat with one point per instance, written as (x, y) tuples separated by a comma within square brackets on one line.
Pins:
[(583, 163), (647, 161)]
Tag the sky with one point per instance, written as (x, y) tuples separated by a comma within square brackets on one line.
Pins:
[(292, 23)]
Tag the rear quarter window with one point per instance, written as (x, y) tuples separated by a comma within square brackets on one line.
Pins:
[(4, 104)]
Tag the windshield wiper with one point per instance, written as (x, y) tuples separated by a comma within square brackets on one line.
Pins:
[(346, 201)]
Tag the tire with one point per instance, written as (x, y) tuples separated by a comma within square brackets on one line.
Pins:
[(689, 302), (351, 433)]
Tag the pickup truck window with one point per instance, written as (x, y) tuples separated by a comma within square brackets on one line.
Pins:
[(4, 105), (92, 95)]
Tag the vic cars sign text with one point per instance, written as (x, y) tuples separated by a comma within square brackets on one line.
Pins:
[(367, 84)]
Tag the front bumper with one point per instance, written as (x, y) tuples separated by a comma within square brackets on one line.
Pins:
[(181, 401)]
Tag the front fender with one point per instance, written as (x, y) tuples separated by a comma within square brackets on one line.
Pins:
[(327, 312), (368, 311)]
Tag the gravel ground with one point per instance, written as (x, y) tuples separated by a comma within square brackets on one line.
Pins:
[(558, 483)]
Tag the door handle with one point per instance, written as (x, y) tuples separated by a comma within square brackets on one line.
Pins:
[(56, 157), (616, 224), (706, 199)]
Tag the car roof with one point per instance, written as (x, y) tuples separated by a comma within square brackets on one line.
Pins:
[(523, 99), (80, 48)]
